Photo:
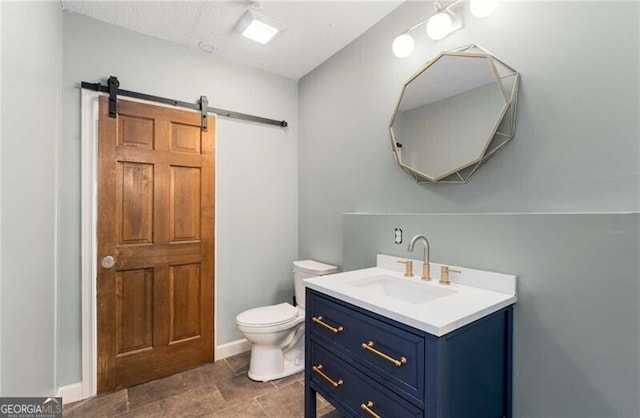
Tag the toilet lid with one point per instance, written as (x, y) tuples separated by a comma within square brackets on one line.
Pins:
[(314, 267), (268, 315)]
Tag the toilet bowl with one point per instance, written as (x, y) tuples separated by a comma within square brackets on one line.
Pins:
[(276, 332)]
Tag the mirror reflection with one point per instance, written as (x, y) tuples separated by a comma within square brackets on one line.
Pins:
[(449, 114)]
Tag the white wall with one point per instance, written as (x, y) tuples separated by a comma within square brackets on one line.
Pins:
[(256, 213), (30, 87)]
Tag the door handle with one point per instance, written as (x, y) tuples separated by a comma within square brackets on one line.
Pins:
[(107, 262)]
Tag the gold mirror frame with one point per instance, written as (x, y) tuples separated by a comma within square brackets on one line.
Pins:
[(507, 80)]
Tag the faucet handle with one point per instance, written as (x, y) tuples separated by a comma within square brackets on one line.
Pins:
[(408, 271), (426, 271), (444, 274)]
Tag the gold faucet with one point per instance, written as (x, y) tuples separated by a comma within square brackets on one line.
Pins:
[(444, 274), (408, 271), (426, 273)]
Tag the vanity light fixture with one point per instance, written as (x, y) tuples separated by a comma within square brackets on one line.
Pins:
[(443, 22), (258, 27), (403, 45), (440, 25)]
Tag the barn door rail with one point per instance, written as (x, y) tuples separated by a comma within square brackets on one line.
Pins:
[(114, 90)]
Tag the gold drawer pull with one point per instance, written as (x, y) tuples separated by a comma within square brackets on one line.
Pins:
[(369, 347), (318, 320), (318, 369), (367, 408)]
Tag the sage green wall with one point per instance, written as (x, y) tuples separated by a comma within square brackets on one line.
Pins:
[(576, 150), (576, 145), (576, 334), (31, 79)]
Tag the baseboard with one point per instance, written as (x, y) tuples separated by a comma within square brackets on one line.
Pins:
[(232, 348), (74, 392), (71, 393)]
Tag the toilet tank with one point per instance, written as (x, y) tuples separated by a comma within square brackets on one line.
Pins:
[(304, 269)]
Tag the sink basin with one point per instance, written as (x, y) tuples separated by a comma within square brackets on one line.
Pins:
[(424, 305), (406, 290)]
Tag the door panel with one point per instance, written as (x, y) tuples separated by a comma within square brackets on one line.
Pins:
[(135, 215), (134, 310), (135, 132), (185, 204), (185, 302), (185, 138), (155, 218)]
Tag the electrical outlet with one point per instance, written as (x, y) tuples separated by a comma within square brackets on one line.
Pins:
[(397, 236)]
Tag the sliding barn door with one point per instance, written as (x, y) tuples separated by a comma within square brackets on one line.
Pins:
[(155, 243)]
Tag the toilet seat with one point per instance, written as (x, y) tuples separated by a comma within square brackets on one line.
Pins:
[(268, 316)]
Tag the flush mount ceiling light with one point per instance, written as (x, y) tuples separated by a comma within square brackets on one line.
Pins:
[(258, 27), (483, 8), (443, 22)]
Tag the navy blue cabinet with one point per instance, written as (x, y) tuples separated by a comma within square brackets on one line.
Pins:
[(368, 365)]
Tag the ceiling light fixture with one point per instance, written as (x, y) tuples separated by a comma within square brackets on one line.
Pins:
[(483, 8), (258, 27), (443, 22)]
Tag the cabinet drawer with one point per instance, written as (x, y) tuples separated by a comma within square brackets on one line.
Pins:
[(352, 389), (394, 355)]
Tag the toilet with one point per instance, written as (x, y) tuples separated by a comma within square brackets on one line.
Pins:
[(276, 332)]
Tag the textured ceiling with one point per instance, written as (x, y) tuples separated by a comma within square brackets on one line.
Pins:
[(315, 30)]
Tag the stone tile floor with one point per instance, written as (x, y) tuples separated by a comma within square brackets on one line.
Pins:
[(220, 389)]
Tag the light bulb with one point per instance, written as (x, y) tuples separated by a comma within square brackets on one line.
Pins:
[(483, 8), (402, 45), (439, 26)]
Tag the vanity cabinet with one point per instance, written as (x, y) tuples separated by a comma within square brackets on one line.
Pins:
[(368, 365)]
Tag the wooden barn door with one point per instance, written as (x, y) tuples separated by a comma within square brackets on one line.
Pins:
[(155, 243)]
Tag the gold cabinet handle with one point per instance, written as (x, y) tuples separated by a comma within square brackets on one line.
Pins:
[(318, 320), (367, 408), (335, 384), (370, 347)]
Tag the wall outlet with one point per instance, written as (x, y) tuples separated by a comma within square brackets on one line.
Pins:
[(398, 236)]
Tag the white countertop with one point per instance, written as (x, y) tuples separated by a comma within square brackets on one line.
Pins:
[(474, 294)]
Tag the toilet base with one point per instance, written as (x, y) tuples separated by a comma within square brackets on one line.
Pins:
[(289, 369), (269, 363)]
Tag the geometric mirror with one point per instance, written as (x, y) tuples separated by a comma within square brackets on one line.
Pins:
[(453, 115)]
